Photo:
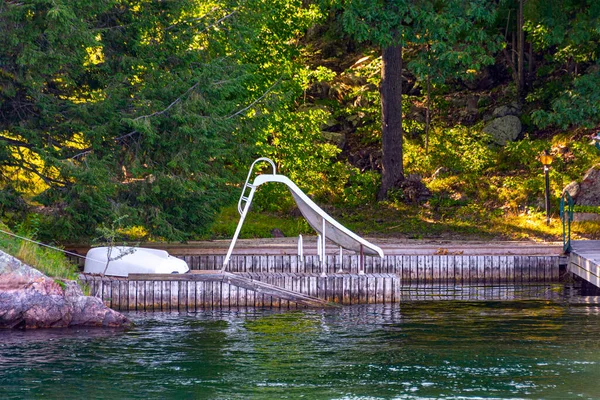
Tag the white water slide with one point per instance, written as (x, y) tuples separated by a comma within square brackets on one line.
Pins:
[(319, 220)]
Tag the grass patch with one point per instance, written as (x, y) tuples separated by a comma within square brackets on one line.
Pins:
[(395, 219), (53, 263), (257, 224)]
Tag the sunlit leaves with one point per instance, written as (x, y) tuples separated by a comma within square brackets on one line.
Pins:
[(143, 107)]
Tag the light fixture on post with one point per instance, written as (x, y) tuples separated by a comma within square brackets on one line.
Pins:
[(546, 159)]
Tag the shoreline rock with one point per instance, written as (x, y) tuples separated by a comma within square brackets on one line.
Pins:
[(31, 300)]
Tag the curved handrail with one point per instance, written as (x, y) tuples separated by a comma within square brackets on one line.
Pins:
[(247, 185), (566, 216)]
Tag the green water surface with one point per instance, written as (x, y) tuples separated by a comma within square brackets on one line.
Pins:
[(415, 350)]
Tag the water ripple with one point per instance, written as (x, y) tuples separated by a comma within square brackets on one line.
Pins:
[(455, 350)]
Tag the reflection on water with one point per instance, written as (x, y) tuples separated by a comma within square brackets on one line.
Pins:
[(546, 348)]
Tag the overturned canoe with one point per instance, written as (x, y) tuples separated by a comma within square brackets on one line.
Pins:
[(123, 261)]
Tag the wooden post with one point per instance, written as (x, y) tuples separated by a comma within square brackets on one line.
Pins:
[(361, 261), (323, 256)]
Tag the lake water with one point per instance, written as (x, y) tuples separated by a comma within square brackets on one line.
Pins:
[(414, 350)]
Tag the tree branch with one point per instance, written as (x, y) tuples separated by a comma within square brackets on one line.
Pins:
[(513, 68), (81, 154), (15, 142), (177, 100), (43, 177), (218, 21), (255, 101)]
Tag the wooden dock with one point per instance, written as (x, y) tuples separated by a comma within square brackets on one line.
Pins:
[(584, 260), (412, 269), (286, 281)]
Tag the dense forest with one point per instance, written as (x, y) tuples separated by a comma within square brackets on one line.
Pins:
[(406, 117)]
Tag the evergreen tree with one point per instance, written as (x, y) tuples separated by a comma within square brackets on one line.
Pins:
[(147, 109), (454, 34), (565, 36)]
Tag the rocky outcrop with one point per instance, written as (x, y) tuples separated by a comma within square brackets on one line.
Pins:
[(586, 192), (29, 300), (504, 129), (589, 188)]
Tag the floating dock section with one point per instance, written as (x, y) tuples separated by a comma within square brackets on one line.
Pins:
[(584, 260)]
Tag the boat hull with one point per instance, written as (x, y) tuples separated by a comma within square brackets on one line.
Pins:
[(132, 260)]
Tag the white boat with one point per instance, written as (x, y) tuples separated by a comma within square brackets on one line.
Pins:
[(132, 260)]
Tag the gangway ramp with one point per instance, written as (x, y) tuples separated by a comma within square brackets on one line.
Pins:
[(238, 281), (584, 260)]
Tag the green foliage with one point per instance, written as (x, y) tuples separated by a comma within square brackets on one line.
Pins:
[(567, 34), (579, 105), (148, 109), (452, 40), (442, 39), (51, 262), (459, 149), (111, 235), (258, 224), (361, 188), (521, 155), (294, 140), (587, 209)]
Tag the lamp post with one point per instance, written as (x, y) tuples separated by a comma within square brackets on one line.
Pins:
[(546, 160)]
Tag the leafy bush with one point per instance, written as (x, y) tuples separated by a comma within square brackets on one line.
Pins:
[(460, 150), (577, 105), (587, 209)]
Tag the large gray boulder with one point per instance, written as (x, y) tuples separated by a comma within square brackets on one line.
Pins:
[(573, 189), (29, 300), (504, 110), (504, 129), (589, 188)]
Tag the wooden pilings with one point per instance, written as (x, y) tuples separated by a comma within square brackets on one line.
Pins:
[(192, 292), (172, 295), (411, 269), (272, 281)]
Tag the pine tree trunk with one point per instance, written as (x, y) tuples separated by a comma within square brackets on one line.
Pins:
[(521, 45), (391, 125), (427, 113)]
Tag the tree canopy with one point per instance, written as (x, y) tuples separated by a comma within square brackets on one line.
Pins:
[(139, 108), (154, 109)]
